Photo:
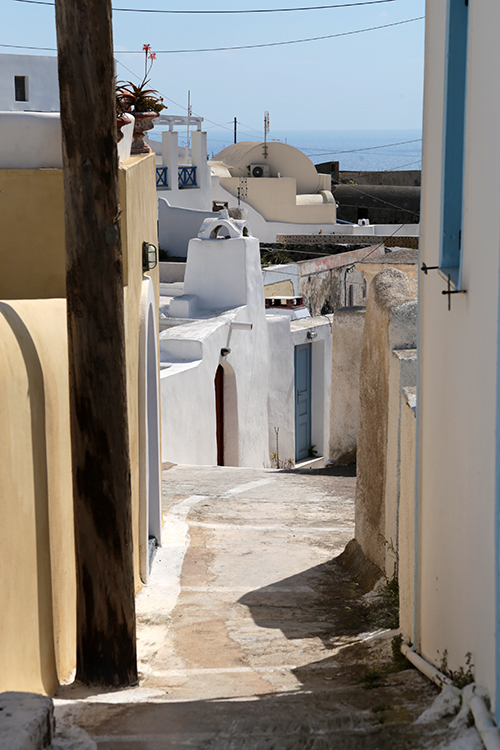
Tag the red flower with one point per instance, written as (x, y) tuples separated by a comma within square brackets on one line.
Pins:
[(146, 47), (152, 56)]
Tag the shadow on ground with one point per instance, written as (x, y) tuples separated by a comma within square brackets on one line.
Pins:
[(357, 698)]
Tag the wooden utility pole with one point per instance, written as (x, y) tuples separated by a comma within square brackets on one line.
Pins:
[(98, 401)]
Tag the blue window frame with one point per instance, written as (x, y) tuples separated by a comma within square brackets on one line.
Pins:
[(450, 259)]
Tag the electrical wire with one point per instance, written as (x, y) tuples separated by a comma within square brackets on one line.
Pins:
[(366, 148), (376, 198), (230, 12), (335, 268), (239, 47), (273, 44)]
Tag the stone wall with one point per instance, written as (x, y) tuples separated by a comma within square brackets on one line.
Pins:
[(391, 323), (347, 338)]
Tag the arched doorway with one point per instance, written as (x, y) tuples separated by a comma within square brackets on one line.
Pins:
[(219, 414), (226, 416)]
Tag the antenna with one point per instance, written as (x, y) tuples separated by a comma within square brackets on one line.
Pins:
[(235, 130), (189, 113), (266, 131)]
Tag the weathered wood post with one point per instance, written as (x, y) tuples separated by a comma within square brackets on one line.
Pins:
[(98, 401)]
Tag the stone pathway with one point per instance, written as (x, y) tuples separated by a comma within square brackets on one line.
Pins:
[(252, 636)]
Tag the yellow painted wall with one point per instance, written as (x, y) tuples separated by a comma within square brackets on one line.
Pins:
[(276, 200), (279, 288), (37, 564), (32, 254), (138, 224)]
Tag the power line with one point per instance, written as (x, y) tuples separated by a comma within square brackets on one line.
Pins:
[(230, 49), (374, 198), (229, 12), (366, 148), (273, 44)]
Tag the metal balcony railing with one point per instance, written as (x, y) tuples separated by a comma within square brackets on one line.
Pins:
[(161, 177), (187, 177)]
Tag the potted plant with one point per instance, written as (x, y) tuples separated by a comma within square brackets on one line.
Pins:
[(143, 103)]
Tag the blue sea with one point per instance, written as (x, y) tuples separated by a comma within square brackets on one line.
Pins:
[(367, 150)]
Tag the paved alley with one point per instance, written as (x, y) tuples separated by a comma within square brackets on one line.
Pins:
[(251, 634)]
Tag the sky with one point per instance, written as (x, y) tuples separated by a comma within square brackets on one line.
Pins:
[(366, 81)]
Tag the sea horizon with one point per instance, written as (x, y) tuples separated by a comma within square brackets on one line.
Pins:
[(366, 150)]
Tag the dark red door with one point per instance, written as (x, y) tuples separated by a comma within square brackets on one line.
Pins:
[(219, 413)]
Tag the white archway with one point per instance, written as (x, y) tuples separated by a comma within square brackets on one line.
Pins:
[(149, 428)]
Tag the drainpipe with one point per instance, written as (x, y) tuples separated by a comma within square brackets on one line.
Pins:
[(485, 725)]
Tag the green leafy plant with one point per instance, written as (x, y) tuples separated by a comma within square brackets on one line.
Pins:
[(463, 675), (138, 98), (278, 463), (275, 258)]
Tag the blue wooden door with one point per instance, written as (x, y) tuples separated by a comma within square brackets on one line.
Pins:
[(302, 401)]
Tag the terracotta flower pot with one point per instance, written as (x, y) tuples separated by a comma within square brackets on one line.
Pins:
[(143, 122)]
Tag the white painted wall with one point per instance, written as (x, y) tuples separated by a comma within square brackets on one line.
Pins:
[(42, 83), (150, 509), (177, 226), (199, 197), (221, 274), (458, 366), (30, 140)]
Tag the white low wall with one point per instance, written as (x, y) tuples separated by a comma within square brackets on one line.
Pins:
[(177, 226), (30, 140)]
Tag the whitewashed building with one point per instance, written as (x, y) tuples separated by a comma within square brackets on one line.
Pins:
[(237, 385), (277, 185), (28, 83), (455, 541)]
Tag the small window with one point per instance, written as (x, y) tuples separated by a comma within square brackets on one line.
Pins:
[(21, 88)]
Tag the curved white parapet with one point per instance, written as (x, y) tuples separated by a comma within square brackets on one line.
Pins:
[(222, 227), (30, 140)]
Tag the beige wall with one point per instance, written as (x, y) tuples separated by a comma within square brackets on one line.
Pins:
[(276, 200), (37, 584), (32, 255), (282, 159), (370, 270), (347, 336), (390, 323), (402, 374)]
